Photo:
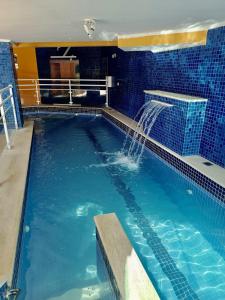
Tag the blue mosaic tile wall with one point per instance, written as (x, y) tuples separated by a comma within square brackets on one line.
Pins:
[(132, 72), (7, 76), (179, 127), (197, 71)]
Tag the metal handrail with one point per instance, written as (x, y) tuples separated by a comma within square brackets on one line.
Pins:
[(63, 89), (63, 84), (5, 89), (60, 79), (69, 85), (3, 111)]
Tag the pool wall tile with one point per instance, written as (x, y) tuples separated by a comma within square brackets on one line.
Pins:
[(133, 73), (197, 71), (7, 77)]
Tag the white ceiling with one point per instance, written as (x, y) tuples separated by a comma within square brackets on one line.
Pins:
[(54, 20)]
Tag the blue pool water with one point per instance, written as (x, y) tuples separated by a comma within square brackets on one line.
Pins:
[(75, 174)]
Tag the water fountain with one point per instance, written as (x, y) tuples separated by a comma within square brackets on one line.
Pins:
[(133, 148), (130, 155)]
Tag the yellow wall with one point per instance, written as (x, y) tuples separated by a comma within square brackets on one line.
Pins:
[(27, 68), (169, 38), (164, 39), (68, 44)]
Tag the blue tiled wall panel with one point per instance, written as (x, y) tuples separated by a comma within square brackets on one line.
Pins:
[(194, 127), (169, 128), (179, 127), (197, 71), (132, 71), (7, 76)]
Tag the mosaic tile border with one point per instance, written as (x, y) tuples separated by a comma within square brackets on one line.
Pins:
[(209, 185)]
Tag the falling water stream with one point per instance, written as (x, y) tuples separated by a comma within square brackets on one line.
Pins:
[(133, 148), (131, 153)]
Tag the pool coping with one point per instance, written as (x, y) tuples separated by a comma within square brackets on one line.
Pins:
[(13, 178), (176, 96), (61, 109), (212, 179), (127, 274)]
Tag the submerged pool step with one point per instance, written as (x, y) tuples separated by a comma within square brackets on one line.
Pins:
[(126, 271)]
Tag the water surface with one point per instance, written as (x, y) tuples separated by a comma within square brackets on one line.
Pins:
[(77, 172)]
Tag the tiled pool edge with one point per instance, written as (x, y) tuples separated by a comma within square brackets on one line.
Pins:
[(21, 226), (208, 184), (18, 157), (61, 109)]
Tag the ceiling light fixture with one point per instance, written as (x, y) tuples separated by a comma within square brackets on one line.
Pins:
[(89, 27)]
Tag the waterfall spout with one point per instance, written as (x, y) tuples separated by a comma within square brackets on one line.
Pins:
[(133, 148)]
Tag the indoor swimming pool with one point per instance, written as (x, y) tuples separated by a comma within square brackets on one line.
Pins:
[(77, 172)]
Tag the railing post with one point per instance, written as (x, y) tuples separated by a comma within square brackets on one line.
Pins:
[(70, 92), (37, 92), (4, 123), (107, 93), (13, 106)]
